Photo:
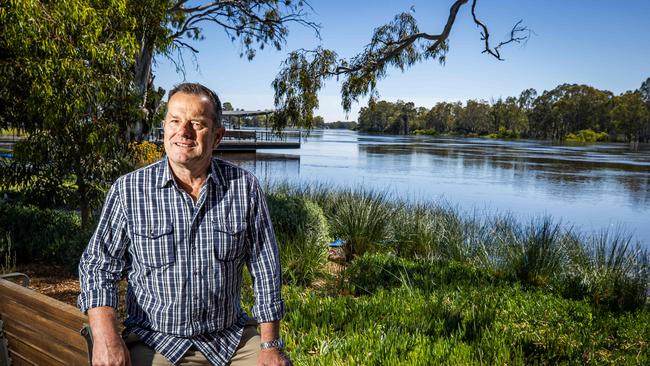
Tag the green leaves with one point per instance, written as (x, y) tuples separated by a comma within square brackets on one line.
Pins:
[(68, 70), (297, 85)]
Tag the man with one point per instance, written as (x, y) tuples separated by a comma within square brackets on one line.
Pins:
[(182, 229)]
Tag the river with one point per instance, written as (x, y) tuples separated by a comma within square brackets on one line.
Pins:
[(590, 187)]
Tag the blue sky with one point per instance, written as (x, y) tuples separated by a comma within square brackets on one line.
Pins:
[(600, 43)]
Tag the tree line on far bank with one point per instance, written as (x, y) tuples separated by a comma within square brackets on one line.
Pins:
[(567, 112)]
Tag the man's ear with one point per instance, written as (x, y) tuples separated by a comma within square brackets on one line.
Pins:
[(221, 131)]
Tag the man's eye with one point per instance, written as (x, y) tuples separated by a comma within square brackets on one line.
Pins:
[(197, 125)]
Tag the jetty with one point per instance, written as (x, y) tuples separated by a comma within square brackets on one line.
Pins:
[(248, 139), (240, 139)]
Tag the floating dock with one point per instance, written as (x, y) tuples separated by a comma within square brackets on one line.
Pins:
[(252, 140)]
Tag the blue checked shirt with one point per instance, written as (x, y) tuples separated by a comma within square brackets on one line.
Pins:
[(184, 259)]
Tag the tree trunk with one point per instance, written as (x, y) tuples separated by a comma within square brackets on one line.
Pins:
[(142, 78), (84, 205)]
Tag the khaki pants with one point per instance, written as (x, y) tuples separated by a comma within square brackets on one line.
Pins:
[(246, 353)]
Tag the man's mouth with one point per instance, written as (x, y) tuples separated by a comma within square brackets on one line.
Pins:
[(184, 144)]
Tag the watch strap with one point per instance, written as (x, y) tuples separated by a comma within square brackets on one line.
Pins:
[(276, 343)]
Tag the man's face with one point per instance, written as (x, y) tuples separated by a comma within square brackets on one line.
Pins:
[(189, 133)]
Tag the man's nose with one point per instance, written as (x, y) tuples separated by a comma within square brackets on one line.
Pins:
[(185, 127)]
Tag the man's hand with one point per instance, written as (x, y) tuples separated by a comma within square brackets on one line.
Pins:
[(108, 347), (273, 357), (111, 352)]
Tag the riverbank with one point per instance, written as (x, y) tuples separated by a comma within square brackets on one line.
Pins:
[(590, 187)]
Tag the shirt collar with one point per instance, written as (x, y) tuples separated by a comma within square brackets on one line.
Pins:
[(215, 175), (165, 176)]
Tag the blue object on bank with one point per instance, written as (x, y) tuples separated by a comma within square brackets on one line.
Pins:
[(337, 243)]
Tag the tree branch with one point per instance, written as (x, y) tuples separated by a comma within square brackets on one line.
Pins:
[(485, 35)]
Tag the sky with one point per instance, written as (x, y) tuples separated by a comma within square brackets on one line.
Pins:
[(600, 43)]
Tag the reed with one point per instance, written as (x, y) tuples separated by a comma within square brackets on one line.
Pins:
[(613, 270), (303, 259), (543, 253), (537, 256), (415, 233), (362, 218)]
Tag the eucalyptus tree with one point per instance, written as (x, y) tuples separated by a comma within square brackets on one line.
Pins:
[(65, 77), (629, 115), (442, 116), (399, 44), (474, 118)]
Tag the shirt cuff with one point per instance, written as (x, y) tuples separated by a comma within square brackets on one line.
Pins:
[(96, 298), (265, 313)]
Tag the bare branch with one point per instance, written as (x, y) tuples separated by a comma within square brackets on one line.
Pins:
[(250, 13), (405, 42), (215, 5), (178, 5), (183, 44), (485, 35)]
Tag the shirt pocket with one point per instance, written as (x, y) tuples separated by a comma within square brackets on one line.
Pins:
[(154, 245), (229, 239)]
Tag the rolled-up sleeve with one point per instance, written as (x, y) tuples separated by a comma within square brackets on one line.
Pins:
[(102, 263), (264, 261)]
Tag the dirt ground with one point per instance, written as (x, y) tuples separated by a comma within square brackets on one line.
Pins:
[(53, 281), (58, 283)]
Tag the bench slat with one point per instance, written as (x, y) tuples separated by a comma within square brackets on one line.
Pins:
[(24, 354), (18, 316), (41, 330), (45, 306), (18, 360)]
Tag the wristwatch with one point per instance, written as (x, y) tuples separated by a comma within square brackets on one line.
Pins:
[(276, 343)]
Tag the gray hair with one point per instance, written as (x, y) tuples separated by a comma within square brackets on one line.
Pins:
[(198, 89)]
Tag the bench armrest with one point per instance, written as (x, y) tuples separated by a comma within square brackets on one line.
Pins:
[(14, 275)]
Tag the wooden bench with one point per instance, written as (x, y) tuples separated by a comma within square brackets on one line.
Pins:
[(38, 330)]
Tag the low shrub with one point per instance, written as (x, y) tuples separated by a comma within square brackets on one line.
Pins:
[(302, 233), (427, 132), (49, 235), (505, 134), (587, 135), (145, 153), (294, 217)]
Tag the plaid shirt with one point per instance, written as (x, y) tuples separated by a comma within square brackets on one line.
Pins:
[(184, 259)]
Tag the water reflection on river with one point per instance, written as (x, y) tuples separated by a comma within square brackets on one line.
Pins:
[(593, 187)]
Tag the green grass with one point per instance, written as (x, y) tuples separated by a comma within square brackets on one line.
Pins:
[(459, 316)]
